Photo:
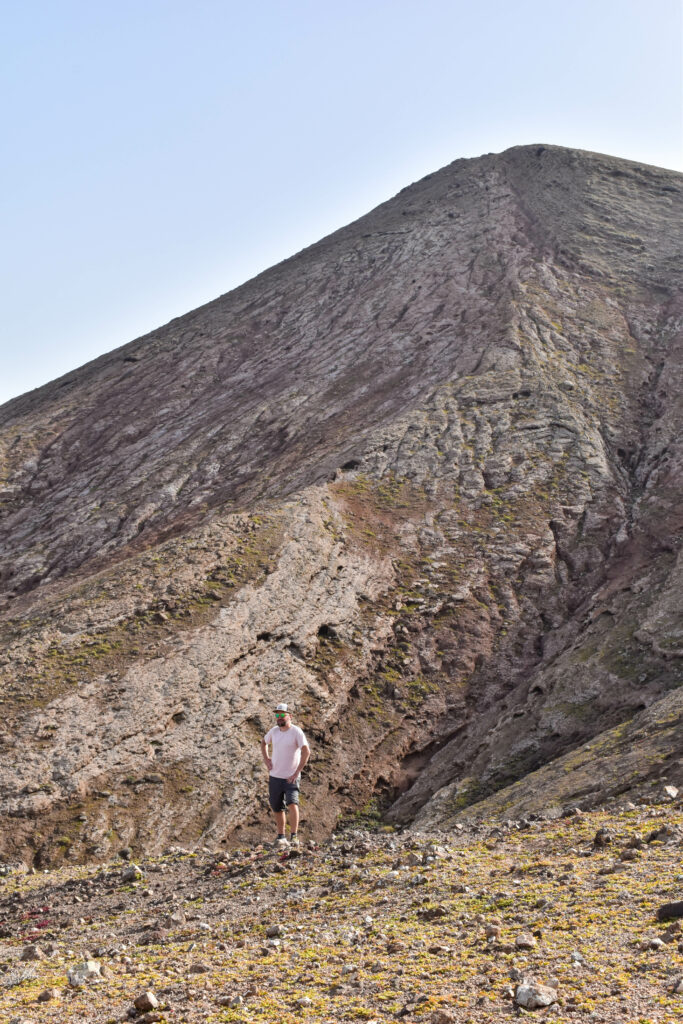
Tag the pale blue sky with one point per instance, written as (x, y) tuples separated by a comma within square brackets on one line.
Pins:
[(159, 152)]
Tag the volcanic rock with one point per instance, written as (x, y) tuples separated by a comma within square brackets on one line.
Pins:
[(84, 973), (145, 1002), (422, 481), (533, 996), (670, 910)]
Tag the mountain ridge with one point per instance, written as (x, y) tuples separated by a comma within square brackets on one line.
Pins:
[(425, 473), (635, 164)]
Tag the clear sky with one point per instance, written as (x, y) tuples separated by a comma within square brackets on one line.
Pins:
[(159, 152)]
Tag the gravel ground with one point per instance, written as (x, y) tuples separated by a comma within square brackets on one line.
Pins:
[(376, 926)]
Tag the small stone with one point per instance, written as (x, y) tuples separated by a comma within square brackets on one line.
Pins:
[(671, 791), (304, 1002), (661, 835), (274, 931), (432, 913), (132, 873), (198, 968), (532, 996), (630, 855), (656, 944), (145, 1002), (33, 952), (49, 993), (526, 941), (670, 910), (602, 838), (442, 1017), (84, 973)]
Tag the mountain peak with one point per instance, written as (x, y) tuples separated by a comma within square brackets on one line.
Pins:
[(421, 477)]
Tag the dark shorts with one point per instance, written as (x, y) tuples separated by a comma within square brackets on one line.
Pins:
[(282, 793)]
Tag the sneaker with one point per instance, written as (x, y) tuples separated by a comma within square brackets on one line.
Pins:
[(281, 843), (294, 840)]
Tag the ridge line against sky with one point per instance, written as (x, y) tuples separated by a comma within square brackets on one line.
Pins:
[(160, 154)]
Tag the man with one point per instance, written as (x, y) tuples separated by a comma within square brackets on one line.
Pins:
[(289, 753)]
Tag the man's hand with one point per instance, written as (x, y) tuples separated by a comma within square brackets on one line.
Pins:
[(269, 763), (305, 754)]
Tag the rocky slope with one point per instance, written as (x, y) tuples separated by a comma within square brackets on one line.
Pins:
[(422, 480)]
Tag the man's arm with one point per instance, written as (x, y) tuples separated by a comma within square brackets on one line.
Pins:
[(264, 754)]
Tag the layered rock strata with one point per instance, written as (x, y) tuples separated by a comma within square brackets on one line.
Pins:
[(422, 480)]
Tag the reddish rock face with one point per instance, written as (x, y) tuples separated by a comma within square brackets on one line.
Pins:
[(421, 481)]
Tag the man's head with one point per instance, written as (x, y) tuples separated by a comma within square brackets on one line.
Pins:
[(282, 716)]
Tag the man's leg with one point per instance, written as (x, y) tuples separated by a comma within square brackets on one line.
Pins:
[(276, 796), (293, 810)]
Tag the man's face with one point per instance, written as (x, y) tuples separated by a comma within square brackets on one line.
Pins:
[(282, 719)]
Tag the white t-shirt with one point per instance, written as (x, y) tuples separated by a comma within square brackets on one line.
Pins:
[(287, 744)]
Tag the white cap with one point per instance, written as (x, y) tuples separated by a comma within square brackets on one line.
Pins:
[(281, 707)]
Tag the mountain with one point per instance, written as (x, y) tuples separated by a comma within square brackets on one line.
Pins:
[(421, 480)]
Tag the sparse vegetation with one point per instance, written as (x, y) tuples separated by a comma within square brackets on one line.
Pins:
[(373, 926)]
